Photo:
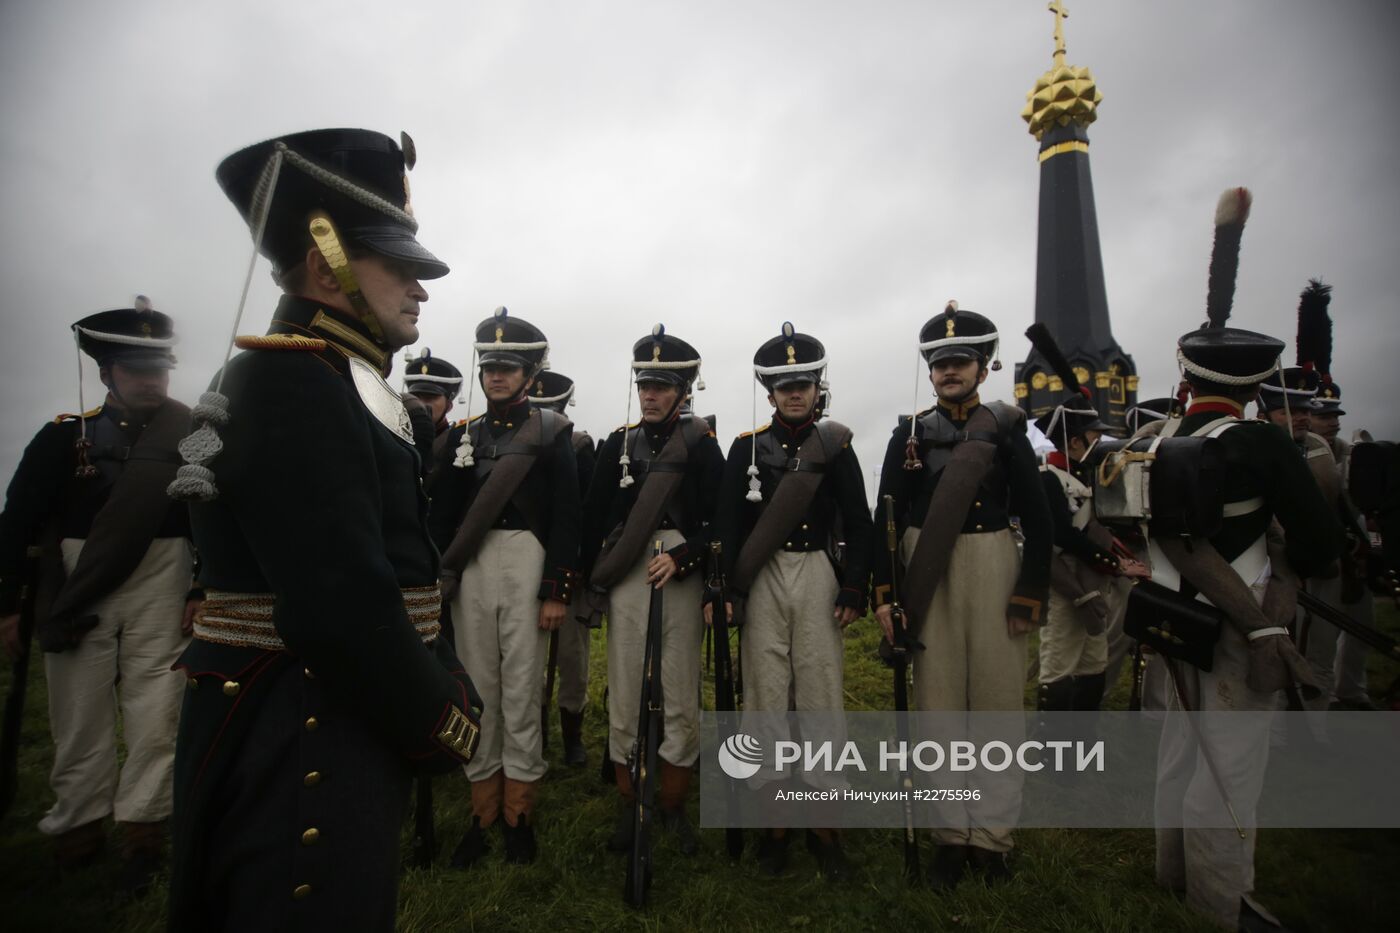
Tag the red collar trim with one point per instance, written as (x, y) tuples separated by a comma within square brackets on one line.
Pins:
[(1215, 404), (1056, 458)]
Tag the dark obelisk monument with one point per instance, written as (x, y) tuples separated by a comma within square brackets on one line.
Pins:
[(1069, 288)]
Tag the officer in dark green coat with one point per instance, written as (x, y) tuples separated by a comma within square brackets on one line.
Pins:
[(317, 680)]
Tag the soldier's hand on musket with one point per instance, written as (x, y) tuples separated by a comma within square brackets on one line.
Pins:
[(709, 611), (552, 613), (845, 615), (192, 607), (1134, 569), (9, 635), (661, 569), (885, 616)]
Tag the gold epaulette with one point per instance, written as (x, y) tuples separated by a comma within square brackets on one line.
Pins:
[(59, 419), (473, 420), (458, 424), (752, 433), (278, 342), (626, 427)]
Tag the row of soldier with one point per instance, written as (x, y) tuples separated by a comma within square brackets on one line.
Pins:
[(377, 586)]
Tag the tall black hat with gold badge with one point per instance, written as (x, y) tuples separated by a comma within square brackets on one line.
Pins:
[(959, 334), (139, 337), (339, 191), (785, 360), (1214, 357), (552, 390), (426, 374), (660, 357), (502, 340)]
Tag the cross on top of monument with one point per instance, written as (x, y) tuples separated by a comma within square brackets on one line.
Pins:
[(1061, 14)]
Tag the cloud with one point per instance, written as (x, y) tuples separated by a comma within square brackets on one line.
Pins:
[(721, 167)]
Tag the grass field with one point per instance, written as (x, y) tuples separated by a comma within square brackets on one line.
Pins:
[(1067, 880)]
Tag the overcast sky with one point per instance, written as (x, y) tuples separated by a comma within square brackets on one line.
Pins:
[(718, 166)]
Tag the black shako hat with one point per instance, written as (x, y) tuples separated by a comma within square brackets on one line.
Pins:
[(432, 375), (359, 178), (1329, 399), (1076, 414), (789, 358), (1293, 388), (1227, 356), (958, 334), (552, 390), (659, 357), (139, 337), (1149, 410), (503, 340)]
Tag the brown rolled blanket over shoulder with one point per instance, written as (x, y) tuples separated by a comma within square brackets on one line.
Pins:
[(790, 500)]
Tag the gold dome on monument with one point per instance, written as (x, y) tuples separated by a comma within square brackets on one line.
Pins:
[(1065, 93)]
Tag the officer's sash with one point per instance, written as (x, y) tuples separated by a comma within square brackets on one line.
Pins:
[(513, 461), (660, 482), (122, 530), (973, 450), (802, 477)]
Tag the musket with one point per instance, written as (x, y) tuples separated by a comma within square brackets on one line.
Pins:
[(1362, 633), (14, 702), (642, 762), (900, 646), (1135, 695), (725, 701), (551, 668)]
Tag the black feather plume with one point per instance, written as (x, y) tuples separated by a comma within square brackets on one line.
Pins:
[(1315, 327), (1039, 336), (1231, 212)]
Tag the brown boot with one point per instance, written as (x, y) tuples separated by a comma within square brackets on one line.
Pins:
[(519, 819), (142, 847), (487, 799), (675, 783), (80, 846)]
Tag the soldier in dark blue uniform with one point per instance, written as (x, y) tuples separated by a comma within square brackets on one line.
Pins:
[(556, 391), (506, 517), (317, 680), (112, 595), (958, 473), (435, 383), (658, 479), (796, 534)]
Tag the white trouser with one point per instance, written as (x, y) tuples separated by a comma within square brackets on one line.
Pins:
[(573, 664), (496, 622), (629, 603), (137, 638), (1214, 866)]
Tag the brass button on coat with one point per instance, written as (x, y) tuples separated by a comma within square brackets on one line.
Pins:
[(301, 890), (312, 779), (231, 688), (312, 723), (192, 683), (311, 836)]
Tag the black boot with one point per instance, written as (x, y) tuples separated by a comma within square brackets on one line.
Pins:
[(949, 866), (992, 866), (472, 847), (520, 841), (571, 726), (621, 838), (772, 853), (1088, 692), (831, 859)]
